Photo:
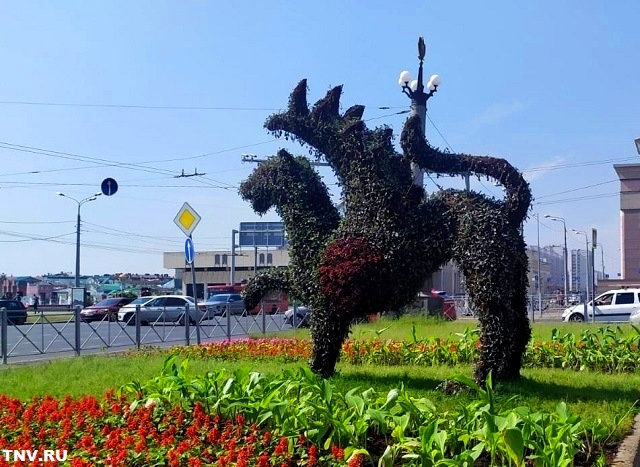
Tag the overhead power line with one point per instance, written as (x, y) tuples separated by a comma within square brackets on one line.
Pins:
[(156, 107), (580, 198), (105, 162), (142, 107), (586, 187), (571, 165), (194, 174)]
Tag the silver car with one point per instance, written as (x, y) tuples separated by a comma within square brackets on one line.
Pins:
[(167, 308), (302, 316), (126, 313), (218, 304)]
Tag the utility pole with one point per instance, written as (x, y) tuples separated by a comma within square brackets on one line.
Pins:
[(566, 256), (253, 158), (78, 220), (533, 315), (232, 277)]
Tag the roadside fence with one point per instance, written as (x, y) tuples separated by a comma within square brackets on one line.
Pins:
[(66, 332)]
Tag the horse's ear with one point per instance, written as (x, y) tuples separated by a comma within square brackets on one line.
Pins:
[(284, 155)]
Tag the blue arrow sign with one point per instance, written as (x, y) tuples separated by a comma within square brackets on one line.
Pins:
[(188, 250), (109, 186)]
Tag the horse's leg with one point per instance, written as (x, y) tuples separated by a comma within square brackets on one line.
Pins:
[(501, 305), (518, 318), (328, 332), (496, 270)]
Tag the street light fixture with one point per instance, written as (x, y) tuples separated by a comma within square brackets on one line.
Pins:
[(79, 203), (637, 141), (588, 272), (415, 90), (565, 254)]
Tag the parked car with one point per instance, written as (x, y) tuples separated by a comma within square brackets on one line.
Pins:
[(131, 307), (302, 314), (165, 308), (613, 305), (574, 299), (16, 311), (635, 316), (448, 306), (218, 304), (107, 308)]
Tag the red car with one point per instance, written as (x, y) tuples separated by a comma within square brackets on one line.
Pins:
[(449, 305), (107, 308)]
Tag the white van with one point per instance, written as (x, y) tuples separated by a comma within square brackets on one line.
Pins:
[(613, 305)]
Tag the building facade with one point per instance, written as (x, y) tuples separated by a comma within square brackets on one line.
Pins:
[(629, 175), (214, 267)]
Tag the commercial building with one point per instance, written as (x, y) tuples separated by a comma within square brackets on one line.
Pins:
[(214, 267)]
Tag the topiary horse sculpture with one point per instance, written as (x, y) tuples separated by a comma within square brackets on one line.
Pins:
[(392, 236)]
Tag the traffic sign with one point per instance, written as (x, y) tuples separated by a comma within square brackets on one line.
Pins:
[(109, 186), (188, 250), (187, 219)]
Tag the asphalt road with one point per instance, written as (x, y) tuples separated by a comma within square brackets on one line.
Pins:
[(44, 340)]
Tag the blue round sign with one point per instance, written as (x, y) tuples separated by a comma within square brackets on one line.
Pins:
[(109, 186), (188, 250)]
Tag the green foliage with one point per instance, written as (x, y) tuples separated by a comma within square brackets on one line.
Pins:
[(392, 235), (411, 429), (265, 282)]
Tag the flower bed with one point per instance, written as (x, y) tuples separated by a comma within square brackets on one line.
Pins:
[(247, 419), (603, 350), (108, 433)]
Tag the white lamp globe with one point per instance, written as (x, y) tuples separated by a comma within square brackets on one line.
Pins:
[(405, 77), (413, 85), (435, 80)]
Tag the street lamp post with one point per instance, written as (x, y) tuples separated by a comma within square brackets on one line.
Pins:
[(533, 315), (565, 254), (414, 89), (587, 271), (79, 203)]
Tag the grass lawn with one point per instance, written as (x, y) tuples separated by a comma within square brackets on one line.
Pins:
[(52, 317), (610, 397), (400, 329)]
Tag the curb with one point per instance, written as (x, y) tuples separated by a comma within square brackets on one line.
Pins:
[(628, 454)]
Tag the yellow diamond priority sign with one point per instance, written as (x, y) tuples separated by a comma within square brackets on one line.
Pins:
[(187, 219)]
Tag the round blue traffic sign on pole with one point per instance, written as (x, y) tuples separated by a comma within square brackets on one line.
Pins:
[(188, 250), (109, 186)]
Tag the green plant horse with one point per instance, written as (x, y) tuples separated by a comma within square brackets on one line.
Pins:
[(392, 236)]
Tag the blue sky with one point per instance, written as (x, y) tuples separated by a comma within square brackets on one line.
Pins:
[(550, 86)]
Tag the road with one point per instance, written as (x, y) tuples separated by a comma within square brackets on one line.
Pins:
[(45, 340)]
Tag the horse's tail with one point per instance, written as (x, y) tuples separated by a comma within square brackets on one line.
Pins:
[(517, 191)]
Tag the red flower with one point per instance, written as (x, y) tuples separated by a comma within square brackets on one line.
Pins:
[(313, 456), (263, 460), (282, 447), (357, 460), (337, 453)]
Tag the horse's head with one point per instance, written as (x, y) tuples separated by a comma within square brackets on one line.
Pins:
[(276, 181)]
